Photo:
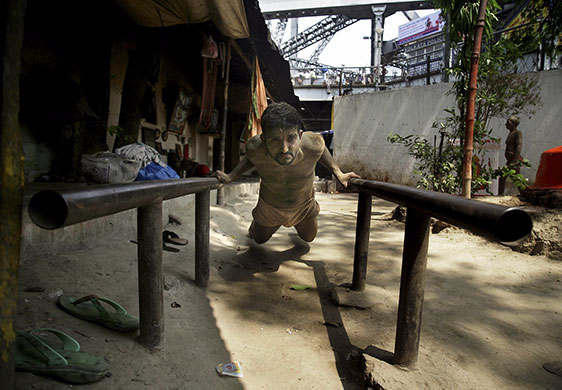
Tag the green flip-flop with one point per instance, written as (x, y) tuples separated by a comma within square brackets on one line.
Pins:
[(34, 354), (89, 308)]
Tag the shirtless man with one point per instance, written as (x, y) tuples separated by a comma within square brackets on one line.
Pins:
[(285, 158), (513, 146)]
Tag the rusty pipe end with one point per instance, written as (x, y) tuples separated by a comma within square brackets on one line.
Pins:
[(48, 209), (513, 226)]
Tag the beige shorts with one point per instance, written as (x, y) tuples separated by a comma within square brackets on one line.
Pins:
[(268, 215)]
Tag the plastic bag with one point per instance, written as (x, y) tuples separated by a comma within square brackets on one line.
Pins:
[(140, 152), (107, 167), (155, 171)]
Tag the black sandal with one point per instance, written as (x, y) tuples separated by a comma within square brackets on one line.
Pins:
[(173, 238)]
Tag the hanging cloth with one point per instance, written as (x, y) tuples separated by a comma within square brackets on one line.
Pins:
[(211, 62), (258, 103)]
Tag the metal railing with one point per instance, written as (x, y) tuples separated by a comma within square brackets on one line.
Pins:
[(332, 76), (51, 209), (498, 223)]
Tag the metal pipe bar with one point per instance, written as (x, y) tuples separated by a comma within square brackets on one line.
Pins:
[(500, 223), (202, 227), (412, 284), (51, 209), (151, 282), (362, 231)]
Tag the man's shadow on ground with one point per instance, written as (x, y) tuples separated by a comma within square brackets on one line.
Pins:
[(259, 258)]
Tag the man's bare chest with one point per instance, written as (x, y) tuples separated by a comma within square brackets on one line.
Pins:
[(291, 174)]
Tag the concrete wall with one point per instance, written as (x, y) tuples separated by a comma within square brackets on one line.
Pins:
[(363, 122), (543, 130), (38, 156)]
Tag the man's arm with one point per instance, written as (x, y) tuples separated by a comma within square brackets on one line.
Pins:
[(238, 170), (328, 161)]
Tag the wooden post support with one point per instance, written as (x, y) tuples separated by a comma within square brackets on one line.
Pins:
[(412, 284), (202, 227), (11, 179), (220, 192), (151, 280), (362, 231)]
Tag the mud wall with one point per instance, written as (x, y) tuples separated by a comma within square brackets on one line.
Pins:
[(363, 122)]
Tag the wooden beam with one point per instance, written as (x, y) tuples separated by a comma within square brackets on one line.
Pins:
[(12, 178), (248, 64), (241, 54)]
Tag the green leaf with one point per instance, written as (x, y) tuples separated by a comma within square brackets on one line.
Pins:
[(300, 287)]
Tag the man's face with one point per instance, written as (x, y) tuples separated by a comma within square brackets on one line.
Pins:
[(283, 144)]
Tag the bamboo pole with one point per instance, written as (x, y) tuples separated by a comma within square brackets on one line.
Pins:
[(220, 192), (472, 86)]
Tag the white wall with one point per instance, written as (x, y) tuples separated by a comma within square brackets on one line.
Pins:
[(363, 122), (543, 130)]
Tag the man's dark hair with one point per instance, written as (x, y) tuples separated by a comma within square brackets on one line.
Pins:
[(280, 116)]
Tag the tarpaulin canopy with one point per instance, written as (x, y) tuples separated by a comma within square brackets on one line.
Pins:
[(227, 15)]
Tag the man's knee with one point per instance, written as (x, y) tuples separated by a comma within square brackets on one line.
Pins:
[(308, 236), (261, 240), (261, 234), (307, 230)]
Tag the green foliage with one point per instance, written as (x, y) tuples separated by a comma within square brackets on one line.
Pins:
[(115, 130), (120, 134), (462, 16), (436, 170), (501, 93), (509, 172), (544, 28)]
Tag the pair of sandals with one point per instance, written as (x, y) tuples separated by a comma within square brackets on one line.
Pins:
[(169, 237), (40, 355), (172, 238)]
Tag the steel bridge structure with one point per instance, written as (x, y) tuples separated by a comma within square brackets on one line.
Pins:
[(316, 83), (339, 15)]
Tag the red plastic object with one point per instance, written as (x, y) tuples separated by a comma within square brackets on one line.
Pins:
[(202, 170), (549, 174)]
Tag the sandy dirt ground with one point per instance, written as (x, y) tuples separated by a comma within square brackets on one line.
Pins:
[(492, 316)]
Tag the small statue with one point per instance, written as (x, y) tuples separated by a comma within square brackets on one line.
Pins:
[(513, 146)]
